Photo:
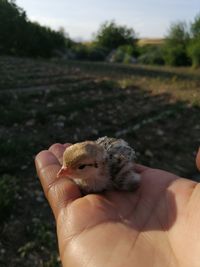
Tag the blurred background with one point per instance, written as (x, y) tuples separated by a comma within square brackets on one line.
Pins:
[(71, 71)]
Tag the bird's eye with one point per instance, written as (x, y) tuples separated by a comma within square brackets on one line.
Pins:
[(82, 166)]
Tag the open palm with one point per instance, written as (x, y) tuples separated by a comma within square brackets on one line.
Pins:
[(158, 225)]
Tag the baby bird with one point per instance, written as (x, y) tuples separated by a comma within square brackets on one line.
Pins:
[(104, 164)]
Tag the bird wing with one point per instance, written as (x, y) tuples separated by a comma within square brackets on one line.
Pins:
[(119, 154), (117, 148)]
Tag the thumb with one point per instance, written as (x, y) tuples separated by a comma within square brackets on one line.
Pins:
[(59, 192)]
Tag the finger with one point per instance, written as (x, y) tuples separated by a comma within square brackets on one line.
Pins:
[(140, 168), (59, 192), (58, 150), (198, 160), (67, 144)]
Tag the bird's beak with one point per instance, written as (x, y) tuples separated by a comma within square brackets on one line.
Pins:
[(63, 172)]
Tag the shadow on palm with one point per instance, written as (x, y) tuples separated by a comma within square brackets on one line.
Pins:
[(129, 226), (151, 207)]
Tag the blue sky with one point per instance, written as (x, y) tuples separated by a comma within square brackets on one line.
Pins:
[(81, 18)]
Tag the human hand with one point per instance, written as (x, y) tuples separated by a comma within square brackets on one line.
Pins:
[(158, 225)]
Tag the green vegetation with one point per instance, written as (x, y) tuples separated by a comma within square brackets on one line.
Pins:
[(19, 36), (156, 109), (194, 47), (175, 48), (112, 42), (151, 55), (194, 52), (181, 47), (111, 36)]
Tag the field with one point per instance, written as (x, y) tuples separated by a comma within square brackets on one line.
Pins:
[(157, 110), (149, 41)]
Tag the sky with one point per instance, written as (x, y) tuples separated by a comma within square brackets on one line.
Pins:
[(81, 19)]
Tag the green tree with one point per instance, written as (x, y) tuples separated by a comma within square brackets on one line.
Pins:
[(19, 36), (195, 27), (111, 36), (194, 46), (10, 17), (194, 52), (175, 46)]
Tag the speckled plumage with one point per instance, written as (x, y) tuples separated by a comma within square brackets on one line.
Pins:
[(104, 164)]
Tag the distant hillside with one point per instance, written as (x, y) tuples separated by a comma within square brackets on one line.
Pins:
[(151, 41)]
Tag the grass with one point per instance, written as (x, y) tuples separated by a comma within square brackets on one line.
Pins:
[(157, 110)]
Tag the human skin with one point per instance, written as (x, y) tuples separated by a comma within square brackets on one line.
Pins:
[(158, 225)]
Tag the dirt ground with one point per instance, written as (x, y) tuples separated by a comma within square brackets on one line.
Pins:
[(156, 110)]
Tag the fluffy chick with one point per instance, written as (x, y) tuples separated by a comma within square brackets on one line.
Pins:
[(105, 164)]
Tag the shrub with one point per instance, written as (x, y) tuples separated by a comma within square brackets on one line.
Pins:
[(123, 54), (80, 51), (194, 52), (151, 55), (194, 46), (175, 46), (176, 56), (130, 50), (128, 59), (195, 27), (117, 56), (96, 53)]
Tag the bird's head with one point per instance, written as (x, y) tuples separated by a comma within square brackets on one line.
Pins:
[(82, 160)]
